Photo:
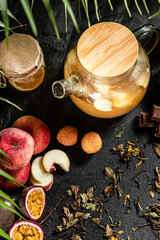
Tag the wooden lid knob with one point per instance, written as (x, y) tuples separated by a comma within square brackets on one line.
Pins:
[(107, 49)]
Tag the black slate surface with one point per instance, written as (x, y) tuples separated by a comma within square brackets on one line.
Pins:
[(88, 170)]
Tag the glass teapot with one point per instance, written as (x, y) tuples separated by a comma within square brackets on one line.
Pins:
[(107, 71)]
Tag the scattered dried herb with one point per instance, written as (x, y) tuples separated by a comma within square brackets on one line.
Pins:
[(156, 148), (119, 134), (156, 181), (73, 212), (129, 151), (113, 187)]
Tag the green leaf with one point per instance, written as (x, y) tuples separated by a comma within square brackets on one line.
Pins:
[(12, 16), (119, 134), (11, 209), (154, 15), (32, 4), (4, 235), (110, 4), (70, 11), (97, 10), (3, 7), (49, 9), (8, 176), (4, 161), (65, 17), (138, 6), (4, 195), (9, 102), (85, 6), (127, 8), (2, 24), (28, 12), (145, 4), (1, 151)]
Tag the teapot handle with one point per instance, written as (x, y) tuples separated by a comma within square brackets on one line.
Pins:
[(148, 35)]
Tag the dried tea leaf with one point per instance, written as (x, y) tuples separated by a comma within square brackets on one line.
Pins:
[(59, 228), (156, 148), (91, 206), (79, 214), (69, 192), (119, 134), (96, 220), (90, 192), (119, 192), (66, 211), (108, 231), (84, 197), (86, 215), (108, 190), (119, 233), (75, 190), (110, 173), (74, 205), (151, 191)]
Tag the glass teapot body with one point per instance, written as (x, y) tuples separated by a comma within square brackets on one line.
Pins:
[(113, 96), (107, 71)]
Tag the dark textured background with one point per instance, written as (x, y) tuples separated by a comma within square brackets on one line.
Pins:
[(88, 170)]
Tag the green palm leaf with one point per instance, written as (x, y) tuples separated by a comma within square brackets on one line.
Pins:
[(9, 102), (3, 160), (4, 195), (2, 204), (127, 8), (85, 6), (138, 6), (3, 7), (97, 10), (49, 9), (157, 13), (28, 12), (70, 11), (8, 176), (4, 235), (146, 7), (110, 4)]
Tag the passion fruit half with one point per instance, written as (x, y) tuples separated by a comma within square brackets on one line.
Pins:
[(32, 201), (26, 230)]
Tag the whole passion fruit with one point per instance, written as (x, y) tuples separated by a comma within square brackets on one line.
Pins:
[(7, 217), (32, 201), (26, 230)]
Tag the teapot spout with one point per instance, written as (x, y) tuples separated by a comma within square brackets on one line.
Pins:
[(74, 84)]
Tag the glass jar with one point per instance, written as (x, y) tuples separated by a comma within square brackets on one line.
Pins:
[(23, 63)]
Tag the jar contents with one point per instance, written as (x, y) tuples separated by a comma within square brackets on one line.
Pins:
[(35, 81), (110, 97)]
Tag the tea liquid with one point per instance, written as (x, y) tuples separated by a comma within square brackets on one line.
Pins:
[(110, 97)]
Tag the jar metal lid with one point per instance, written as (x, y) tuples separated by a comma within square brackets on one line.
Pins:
[(23, 58)]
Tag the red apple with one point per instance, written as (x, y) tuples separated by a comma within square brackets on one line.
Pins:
[(38, 129), (21, 175), (18, 145)]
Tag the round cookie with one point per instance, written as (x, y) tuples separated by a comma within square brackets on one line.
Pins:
[(67, 135), (91, 142)]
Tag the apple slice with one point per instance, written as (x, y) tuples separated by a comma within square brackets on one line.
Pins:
[(56, 156), (47, 184), (37, 170)]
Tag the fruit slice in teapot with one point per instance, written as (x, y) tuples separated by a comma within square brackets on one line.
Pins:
[(32, 202)]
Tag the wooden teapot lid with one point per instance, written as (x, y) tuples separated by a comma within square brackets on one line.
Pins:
[(107, 49)]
